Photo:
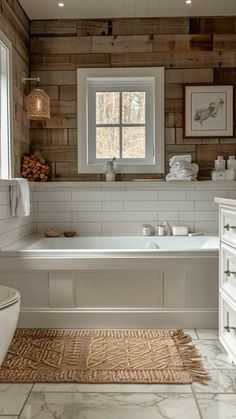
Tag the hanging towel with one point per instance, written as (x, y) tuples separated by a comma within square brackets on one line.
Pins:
[(20, 198), (182, 165), (184, 157)]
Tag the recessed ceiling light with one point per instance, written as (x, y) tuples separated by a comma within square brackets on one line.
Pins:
[(188, 1), (61, 4)]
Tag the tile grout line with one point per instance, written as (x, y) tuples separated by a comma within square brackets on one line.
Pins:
[(27, 398), (196, 401)]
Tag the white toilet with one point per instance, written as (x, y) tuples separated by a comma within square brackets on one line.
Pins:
[(9, 313)]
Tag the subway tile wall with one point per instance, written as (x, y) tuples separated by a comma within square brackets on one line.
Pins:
[(120, 208), (12, 229)]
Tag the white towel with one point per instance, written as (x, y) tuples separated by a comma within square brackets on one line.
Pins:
[(182, 165), (171, 177), (20, 198), (183, 173), (184, 157)]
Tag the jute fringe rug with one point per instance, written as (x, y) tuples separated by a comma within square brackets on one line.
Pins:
[(101, 356)]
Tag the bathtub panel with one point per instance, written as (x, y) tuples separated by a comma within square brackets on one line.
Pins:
[(174, 288), (61, 289), (119, 289), (33, 287), (202, 286)]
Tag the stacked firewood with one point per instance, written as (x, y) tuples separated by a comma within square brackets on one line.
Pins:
[(34, 168)]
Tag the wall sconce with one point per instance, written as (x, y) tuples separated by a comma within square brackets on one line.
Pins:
[(38, 102)]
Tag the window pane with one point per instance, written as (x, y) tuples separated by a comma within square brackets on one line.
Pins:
[(107, 142), (133, 142), (133, 107), (107, 107)]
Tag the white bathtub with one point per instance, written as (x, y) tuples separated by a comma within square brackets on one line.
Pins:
[(114, 281), (113, 245)]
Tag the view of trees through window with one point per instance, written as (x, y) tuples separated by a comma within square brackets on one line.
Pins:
[(120, 124)]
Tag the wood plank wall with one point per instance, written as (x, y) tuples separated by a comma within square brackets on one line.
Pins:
[(195, 50), (15, 25)]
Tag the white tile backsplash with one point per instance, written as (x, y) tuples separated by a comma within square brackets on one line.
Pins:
[(116, 208), (122, 207)]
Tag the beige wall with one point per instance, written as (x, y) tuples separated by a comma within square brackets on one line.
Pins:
[(15, 25), (192, 51)]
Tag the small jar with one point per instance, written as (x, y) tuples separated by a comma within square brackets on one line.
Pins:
[(220, 164), (147, 230), (161, 230), (231, 163), (110, 177)]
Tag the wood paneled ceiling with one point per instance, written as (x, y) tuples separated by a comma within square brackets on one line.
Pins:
[(92, 9)]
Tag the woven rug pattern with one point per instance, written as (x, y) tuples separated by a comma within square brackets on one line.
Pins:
[(101, 356)]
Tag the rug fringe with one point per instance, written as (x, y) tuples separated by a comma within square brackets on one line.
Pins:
[(190, 356)]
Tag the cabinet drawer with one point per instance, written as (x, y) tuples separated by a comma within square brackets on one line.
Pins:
[(228, 327), (228, 270), (228, 225)]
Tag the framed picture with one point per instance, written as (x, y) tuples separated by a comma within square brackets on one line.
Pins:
[(208, 111)]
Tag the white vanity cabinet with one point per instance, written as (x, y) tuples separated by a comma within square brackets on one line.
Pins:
[(227, 275)]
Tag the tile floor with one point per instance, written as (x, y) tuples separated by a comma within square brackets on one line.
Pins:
[(217, 400)]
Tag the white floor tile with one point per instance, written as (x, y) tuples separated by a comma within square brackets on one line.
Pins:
[(109, 406), (13, 397), (192, 333), (217, 406), (208, 334), (213, 355), (113, 388), (221, 381)]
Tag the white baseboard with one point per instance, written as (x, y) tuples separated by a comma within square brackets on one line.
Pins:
[(111, 319)]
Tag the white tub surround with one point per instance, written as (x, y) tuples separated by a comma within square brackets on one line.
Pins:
[(115, 281), (227, 210), (120, 208)]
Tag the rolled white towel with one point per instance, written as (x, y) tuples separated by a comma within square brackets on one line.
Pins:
[(182, 165), (171, 177), (184, 157), (183, 173)]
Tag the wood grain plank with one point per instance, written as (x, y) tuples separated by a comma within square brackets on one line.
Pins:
[(207, 153), (63, 62), (53, 27), (55, 78), (88, 27), (182, 43), (121, 44), (142, 60), (200, 59), (9, 13), (50, 137), (225, 75), (189, 76), (149, 26), (60, 45), (224, 42), (212, 25)]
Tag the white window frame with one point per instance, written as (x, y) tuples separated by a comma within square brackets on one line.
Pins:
[(6, 143), (148, 79)]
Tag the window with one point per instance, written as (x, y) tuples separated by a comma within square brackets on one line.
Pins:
[(5, 108), (121, 114)]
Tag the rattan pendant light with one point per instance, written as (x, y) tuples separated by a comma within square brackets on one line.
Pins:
[(38, 103)]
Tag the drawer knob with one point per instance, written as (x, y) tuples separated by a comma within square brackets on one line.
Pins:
[(228, 328), (228, 227), (228, 272)]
